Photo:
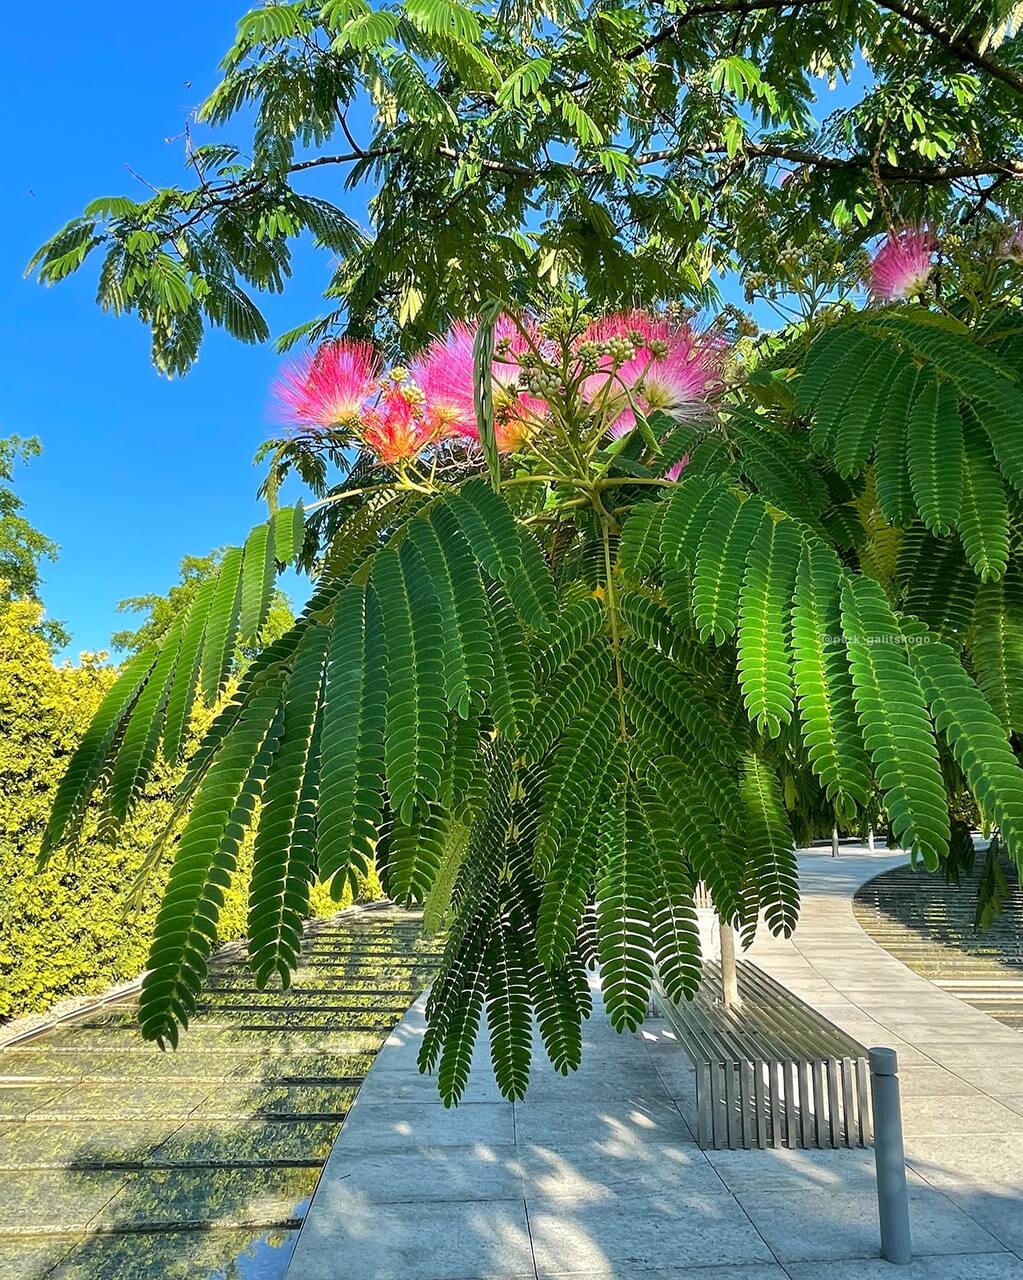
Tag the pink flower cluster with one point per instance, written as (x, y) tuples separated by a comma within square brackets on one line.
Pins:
[(622, 364), (901, 267), (666, 367), (397, 416)]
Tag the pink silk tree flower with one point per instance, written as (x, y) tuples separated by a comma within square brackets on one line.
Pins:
[(901, 266), (671, 370), (396, 430), (445, 374), (328, 388), (676, 468)]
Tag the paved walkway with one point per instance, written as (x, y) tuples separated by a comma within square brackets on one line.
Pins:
[(598, 1176)]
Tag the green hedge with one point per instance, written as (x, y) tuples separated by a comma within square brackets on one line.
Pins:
[(63, 932)]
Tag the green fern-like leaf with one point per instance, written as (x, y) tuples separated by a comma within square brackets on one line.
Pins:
[(572, 691), (138, 749), (583, 773), (771, 854), (824, 688), (997, 647), (856, 431), (894, 720), (531, 588), (934, 452), (509, 1011), (623, 884), (218, 643), (976, 736), (720, 564), (764, 651), (415, 852), (257, 582), (184, 687), (186, 926), (682, 524), (91, 755), (489, 528), (984, 519), (894, 493), (352, 744), (511, 698), (675, 933), (284, 854), (416, 727), (639, 548)]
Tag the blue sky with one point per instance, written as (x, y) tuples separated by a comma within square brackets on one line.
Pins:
[(137, 470)]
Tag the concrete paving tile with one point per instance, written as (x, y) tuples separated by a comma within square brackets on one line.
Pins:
[(611, 1125), (989, 1266), (436, 1242), (799, 1170), (457, 1174), (383, 1127), (994, 1161), (923, 1116), (646, 1232), (931, 1082), (999, 1211), (387, 1084), (582, 1173), (827, 1227), (738, 1271), (1000, 1082)]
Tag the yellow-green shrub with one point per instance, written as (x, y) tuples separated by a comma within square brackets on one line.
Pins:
[(64, 931)]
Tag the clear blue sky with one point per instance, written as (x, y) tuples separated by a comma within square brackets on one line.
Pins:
[(137, 470)]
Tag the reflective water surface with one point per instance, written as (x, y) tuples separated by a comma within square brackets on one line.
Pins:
[(121, 1162)]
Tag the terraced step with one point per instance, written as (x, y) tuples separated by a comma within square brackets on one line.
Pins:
[(929, 925), (121, 1162)]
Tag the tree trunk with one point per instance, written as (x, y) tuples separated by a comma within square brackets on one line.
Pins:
[(834, 842), (729, 973)]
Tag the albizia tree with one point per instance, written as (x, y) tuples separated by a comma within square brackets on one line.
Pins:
[(608, 603)]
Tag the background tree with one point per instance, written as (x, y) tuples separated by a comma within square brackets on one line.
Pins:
[(162, 610), (22, 546)]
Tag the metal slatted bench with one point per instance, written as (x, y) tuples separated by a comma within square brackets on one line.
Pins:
[(772, 1073)]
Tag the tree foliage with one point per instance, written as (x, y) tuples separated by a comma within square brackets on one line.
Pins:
[(632, 147), (604, 610), (22, 546), (69, 931), (550, 701)]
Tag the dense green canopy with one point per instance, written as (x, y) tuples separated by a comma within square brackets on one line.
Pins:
[(635, 148)]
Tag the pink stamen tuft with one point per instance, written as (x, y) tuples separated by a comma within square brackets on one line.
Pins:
[(902, 265), (679, 382), (328, 388)]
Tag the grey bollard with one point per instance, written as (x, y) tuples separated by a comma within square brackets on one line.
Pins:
[(890, 1157)]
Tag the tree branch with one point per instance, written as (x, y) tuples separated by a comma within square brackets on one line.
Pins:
[(952, 43)]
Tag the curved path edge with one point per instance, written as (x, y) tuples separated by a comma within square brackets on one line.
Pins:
[(598, 1176)]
